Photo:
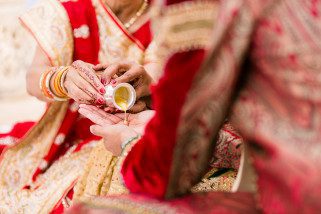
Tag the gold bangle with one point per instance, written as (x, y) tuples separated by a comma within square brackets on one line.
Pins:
[(57, 87), (58, 95), (62, 80), (44, 83), (46, 90)]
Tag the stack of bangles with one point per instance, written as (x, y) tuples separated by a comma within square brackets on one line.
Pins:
[(58, 92)]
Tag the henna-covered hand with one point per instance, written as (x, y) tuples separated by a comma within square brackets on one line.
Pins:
[(129, 72), (83, 85)]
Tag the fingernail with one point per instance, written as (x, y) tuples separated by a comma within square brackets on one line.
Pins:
[(102, 91), (113, 82), (104, 81), (100, 101)]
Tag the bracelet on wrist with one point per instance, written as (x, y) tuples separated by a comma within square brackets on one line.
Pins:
[(44, 83), (57, 87), (62, 80), (125, 143), (58, 92)]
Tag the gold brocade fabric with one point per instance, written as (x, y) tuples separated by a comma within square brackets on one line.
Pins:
[(99, 177), (209, 183), (102, 174), (102, 177)]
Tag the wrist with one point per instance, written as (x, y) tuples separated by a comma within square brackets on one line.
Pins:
[(127, 134), (128, 141)]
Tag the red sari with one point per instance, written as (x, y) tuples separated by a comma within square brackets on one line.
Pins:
[(266, 54), (47, 157)]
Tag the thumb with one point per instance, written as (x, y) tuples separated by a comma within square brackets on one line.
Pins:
[(97, 130)]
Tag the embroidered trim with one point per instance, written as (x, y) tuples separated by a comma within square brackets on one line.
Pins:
[(124, 144), (120, 25), (184, 26), (19, 162), (97, 174), (115, 45), (60, 139), (82, 32), (43, 165), (45, 194), (48, 22), (8, 141)]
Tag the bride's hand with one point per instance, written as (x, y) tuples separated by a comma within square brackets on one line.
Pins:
[(83, 84), (127, 72), (112, 128)]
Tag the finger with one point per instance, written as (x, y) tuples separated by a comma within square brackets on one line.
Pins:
[(118, 111), (89, 107), (113, 69), (141, 91), (110, 109), (88, 89), (77, 94), (94, 117), (94, 109), (133, 73), (100, 67), (138, 107), (97, 130), (121, 115), (88, 74), (110, 117)]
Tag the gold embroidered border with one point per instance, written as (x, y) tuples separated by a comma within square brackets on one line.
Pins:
[(8, 141), (19, 162), (49, 23), (102, 174), (114, 44), (223, 182), (96, 178), (128, 205), (46, 194), (184, 26)]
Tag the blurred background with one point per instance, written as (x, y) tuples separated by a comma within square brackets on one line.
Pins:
[(16, 52)]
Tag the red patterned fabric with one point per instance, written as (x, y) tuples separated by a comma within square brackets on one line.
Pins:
[(155, 176), (277, 109), (227, 152)]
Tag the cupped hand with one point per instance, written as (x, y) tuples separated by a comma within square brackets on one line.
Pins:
[(112, 128), (83, 85)]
